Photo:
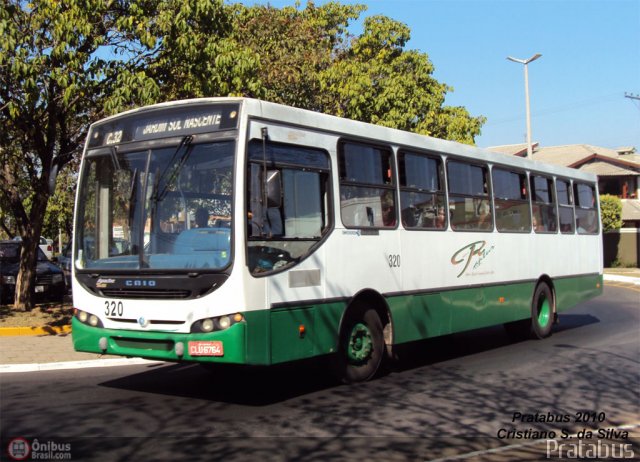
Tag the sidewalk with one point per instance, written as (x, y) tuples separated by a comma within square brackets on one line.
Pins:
[(50, 352), (47, 351)]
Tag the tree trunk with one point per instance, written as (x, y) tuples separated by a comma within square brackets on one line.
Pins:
[(29, 258), (27, 274)]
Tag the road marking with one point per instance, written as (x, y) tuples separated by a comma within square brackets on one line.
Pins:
[(13, 368), (469, 455)]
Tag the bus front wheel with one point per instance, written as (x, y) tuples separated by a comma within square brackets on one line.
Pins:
[(361, 345)]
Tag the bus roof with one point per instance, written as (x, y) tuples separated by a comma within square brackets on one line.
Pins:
[(303, 118)]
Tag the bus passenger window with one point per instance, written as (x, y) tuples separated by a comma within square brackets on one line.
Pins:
[(367, 192), (586, 209), (421, 191), (565, 206), (545, 219), (469, 199), (511, 201)]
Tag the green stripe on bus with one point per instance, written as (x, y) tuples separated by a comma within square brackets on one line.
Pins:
[(308, 330)]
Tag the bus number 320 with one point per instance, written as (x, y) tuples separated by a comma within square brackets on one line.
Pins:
[(393, 260), (113, 308)]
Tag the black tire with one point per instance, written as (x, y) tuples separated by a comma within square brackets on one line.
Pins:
[(542, 311), (361, 345)]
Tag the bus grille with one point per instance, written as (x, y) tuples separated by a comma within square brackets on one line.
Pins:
[(146, 293)]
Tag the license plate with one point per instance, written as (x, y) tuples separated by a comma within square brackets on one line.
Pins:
[(204, 348), (39, 289)]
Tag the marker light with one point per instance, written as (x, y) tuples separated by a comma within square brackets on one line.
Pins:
[(237, 317)]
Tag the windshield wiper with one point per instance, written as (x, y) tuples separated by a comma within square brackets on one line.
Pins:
[(114, 157), (186, 141)]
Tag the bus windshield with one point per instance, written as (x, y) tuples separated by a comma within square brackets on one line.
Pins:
[(161, 208)]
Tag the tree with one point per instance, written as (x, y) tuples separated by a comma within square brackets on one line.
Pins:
[(308, 59), (67, 63), (51, 86), (59, 215), (611, 212)]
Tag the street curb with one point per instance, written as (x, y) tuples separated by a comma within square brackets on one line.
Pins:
[(33, 367), (625, 279), (33, 331)]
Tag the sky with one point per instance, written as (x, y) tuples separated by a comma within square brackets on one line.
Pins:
[(590, 60)]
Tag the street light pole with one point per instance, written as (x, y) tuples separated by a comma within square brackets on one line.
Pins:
[(526, 95)]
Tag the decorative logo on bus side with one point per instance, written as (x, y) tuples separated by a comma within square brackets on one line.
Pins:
[(475, 252)]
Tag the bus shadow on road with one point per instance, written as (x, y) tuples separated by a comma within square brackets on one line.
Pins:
[(263, 386), (250, 386)]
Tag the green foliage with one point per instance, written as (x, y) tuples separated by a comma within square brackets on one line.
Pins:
[(53, 83), (307, 59), (611, 212), (67, 63), (195, 55)]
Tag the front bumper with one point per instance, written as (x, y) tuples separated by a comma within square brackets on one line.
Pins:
[(164, 346)]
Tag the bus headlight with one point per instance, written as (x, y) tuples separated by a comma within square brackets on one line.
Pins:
[(224, 322), (88, 318), (207, 325), (216, 324)]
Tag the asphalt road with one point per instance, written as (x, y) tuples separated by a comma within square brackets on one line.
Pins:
[(450, 398)]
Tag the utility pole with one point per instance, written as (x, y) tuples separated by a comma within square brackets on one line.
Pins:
[(526, 93)]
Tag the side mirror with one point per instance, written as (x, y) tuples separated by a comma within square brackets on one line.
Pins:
[(274, 189)]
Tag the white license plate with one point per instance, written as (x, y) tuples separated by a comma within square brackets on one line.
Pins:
[(39, 289)]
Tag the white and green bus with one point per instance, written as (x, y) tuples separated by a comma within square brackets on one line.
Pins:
[(232, 230)]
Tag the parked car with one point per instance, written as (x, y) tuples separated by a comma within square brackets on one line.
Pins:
[(46, 245), (64, 262), (49, 284)]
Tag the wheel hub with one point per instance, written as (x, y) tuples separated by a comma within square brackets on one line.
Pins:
[(360, 344), (544, 312)]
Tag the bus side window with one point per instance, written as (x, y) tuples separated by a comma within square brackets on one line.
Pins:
[(565, 206), (287, 203), (586, 208), (469, 198), (422, 195), (367, 192), (545, 219), (511, 201)]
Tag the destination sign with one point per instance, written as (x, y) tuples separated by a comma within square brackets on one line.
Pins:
[(162, 123)]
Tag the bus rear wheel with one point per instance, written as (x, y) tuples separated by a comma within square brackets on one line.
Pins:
[(542, 311), (361, 345), (542, 316)]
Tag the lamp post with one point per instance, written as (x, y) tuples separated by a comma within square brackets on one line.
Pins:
[(526, 95)]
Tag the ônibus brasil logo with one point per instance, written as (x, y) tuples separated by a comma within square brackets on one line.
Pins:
[(19, 449), (476, 251)]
